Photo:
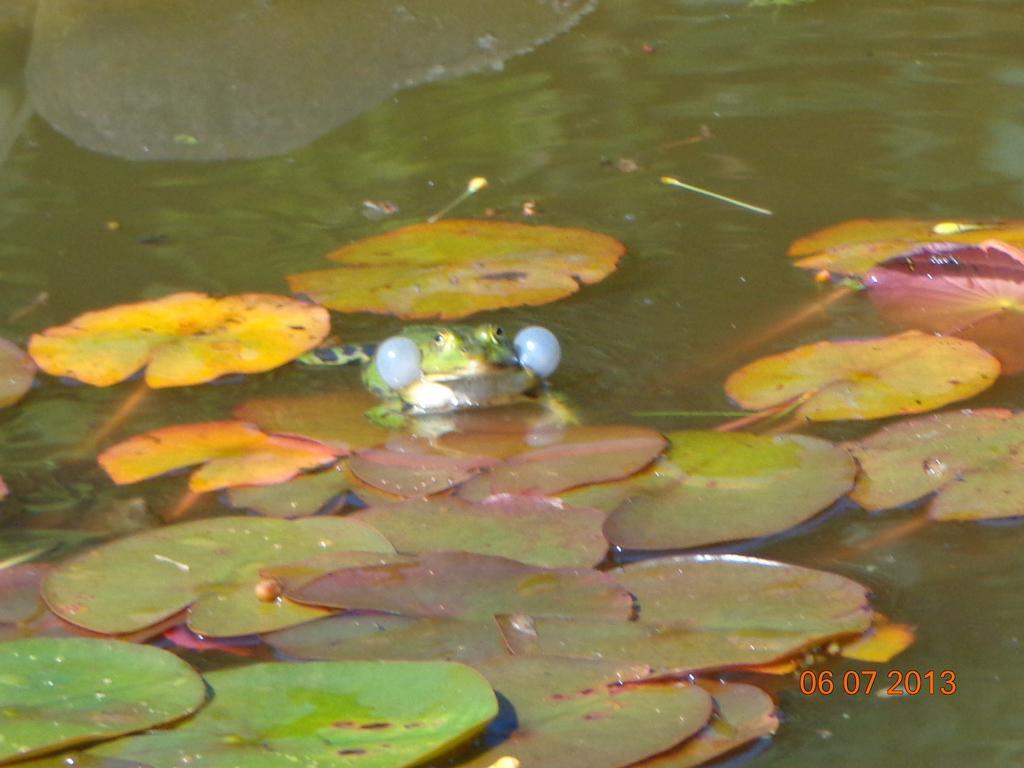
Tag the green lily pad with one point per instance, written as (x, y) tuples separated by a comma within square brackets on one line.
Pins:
[(703, 612), (911, 372), (300, 497), (210, 567), (468, 586), (733, 486), (854, 247), (333, 418), (743, 713), (413, 474), (454, 268), (582, 455), (17, 371), (58, 692), (532, 530), (970, 460), (347, 636), (316, 714), (579, 715), (23, 613)]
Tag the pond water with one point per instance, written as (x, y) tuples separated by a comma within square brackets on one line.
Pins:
[(822, 112)]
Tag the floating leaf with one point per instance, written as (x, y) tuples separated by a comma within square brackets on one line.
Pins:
[(970, 459), (368, 714), (387, 636), (582, 455), (210, 567), (733, 486), (58, 692), (331, 418), (880, 644), (413, 474), (182, 339), (467, 586), (232, 452), (16, 373), (974, 292), (300, 497), (743, 713), (854, 247), (451, 269), (577, 714), (911, 372), (705, 612), (536, 531)]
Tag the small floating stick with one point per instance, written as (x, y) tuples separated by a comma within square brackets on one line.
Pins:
[(475, 185), (673, 182)]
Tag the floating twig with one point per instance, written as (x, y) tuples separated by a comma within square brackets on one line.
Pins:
[(674, 182), (475, 185)]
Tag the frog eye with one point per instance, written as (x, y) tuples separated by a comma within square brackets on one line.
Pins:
[(498, 332), (538, 350), (398, 361)]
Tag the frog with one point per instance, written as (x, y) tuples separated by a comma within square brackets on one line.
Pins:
[(436, 368)]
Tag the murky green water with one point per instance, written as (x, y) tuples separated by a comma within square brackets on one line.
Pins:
[(822, 112)]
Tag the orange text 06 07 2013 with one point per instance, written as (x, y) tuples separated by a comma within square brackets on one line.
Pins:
[(864, 682)]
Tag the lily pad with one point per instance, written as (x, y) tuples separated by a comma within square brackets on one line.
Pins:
[(454, 268), (468, 586), (182, 339), (582, 455), (911, 372), (580, 714), (743, 713), (17, 371), (368, 714), (232, 452), (532, 530), (300, 497), (414, 474), (210, 567), (974, 292), (733, 486), (331, 418), (58, 692), (970, 460), (854, 247), (3, 489), (371, 636), (703, 612)]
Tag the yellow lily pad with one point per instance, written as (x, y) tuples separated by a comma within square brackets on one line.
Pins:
[(911, 372), (182, 339), (454, 268), (854, 247), (232, 453)]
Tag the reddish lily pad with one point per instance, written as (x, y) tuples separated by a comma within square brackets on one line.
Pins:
[(532, 530), (974, 292), (468, 586), (347, 714), (210, 567), (704, 612), (743, 713), (300, 497), (970, 460), (58, 692), (577, 714), (232, 452), (911, 372), (582, 455), (17, 371), (332, 418), (182, 339), (733, 486), (454, 268), (414, 474), (854, 247)]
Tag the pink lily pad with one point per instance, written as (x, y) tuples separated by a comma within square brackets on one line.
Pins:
[(413, 474)]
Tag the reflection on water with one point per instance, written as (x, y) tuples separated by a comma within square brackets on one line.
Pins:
[(200, 80), (822, 112)]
